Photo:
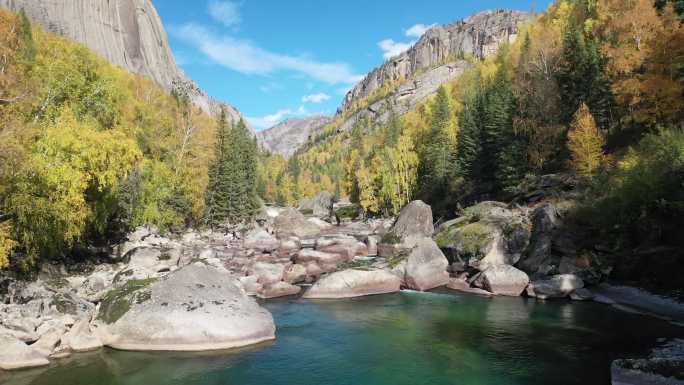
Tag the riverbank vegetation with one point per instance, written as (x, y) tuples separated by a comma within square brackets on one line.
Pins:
[(590, 87), (87, 149)]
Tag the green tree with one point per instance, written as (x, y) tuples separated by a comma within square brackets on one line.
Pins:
[(233, 176), (438, 163), (26, 38)]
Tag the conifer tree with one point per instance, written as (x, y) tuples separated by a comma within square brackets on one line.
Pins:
[(438, 163), (233, 177), (585, 143)]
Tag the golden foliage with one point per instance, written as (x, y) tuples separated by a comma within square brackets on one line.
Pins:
[(585, 143)]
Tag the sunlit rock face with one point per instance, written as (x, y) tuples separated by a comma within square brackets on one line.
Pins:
[(477, 36), (128, 33)]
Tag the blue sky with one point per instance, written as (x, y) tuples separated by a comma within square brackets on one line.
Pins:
[(276, 59)]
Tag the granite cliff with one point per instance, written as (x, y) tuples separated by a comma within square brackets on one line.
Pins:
[(128, 33)]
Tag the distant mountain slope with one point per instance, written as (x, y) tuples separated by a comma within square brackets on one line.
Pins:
[(128, 33), (288, 136), (478, 36)]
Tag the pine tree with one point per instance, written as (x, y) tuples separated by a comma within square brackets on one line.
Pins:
[(216, 198), (582, 77), (233, 177), (438, 164)]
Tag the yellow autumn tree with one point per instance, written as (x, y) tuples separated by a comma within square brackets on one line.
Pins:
[(7, 244), (585, 143)]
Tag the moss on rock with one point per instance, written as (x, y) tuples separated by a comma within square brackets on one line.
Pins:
[(116, 303), (468, 239)]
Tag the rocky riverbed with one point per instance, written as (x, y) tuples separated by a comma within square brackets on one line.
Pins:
[(194, 290)]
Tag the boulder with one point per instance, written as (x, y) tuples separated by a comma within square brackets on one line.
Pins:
[(292, 223), (487, 234), (80, 338), (295, 274), (194, 308), (558, 286), (250, 284), (48, 341), (17, 355), (502, 280), (289, 247), (463, 286), (414, 222), (581, 295), (279, 289), (320, 206), (268, 273), (321, 224), (344, 246), (259, 239), (538, 259), (426, 266), (321, 258), (663, 366), (354, 283)]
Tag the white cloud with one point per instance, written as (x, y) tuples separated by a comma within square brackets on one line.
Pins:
[(245, 57), (392, 48), (418, 30), (270, 120), (315, 98), (225, 12)]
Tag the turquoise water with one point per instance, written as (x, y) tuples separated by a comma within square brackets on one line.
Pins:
[(407, 338)]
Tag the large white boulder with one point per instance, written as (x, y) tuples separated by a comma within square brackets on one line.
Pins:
[(194, 308), (426, 266), (354, 283), (15, 354), (503, 280)]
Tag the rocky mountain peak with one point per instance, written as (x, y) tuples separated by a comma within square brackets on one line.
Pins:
[(289, 135), (478, 36)]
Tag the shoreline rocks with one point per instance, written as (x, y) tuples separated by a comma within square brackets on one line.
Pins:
[(354, 283)]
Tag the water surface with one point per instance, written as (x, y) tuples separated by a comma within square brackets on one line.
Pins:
[(408, 338)]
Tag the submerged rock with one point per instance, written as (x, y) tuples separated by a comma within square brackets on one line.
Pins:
[(354, 283), (664, 366), (195, 308)]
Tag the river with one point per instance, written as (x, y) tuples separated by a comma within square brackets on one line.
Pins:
[(435, 338)]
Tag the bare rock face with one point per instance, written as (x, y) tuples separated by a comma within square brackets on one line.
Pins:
[(195, 308), (128, 33), (286, 137), (479, 36), (354, 283)]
